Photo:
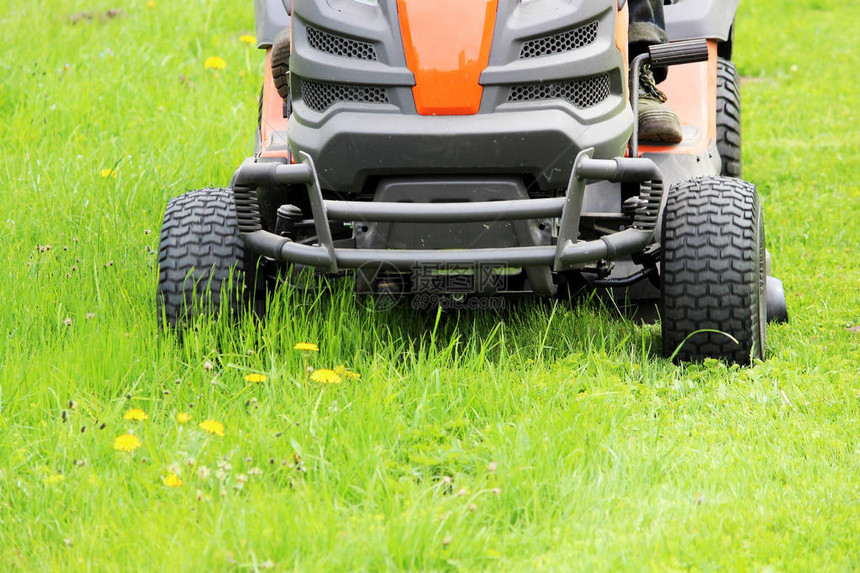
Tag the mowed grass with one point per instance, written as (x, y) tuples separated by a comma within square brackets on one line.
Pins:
[(543, 437)]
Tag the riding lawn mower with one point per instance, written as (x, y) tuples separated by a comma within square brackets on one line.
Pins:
[(487, 148)]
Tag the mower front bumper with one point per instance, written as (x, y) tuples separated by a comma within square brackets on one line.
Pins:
[(566, 254)]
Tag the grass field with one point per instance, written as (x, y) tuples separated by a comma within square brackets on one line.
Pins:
[(543, 438)]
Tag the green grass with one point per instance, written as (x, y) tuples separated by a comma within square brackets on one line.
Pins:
[(605, 456)]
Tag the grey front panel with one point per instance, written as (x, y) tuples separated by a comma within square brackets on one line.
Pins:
[(540, 143), (346, 47), (271, 16), (691, 19), (556, 43), (554, 85)]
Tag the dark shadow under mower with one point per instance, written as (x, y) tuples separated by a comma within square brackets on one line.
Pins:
[(663, 223)]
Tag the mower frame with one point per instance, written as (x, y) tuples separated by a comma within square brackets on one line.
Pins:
[(380, 181)]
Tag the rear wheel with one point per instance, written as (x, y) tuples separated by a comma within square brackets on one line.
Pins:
[(281, 50), (713, 277), (203, 266), (729, 118)]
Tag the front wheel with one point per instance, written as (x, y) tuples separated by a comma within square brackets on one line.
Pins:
[(713, 276), (203, 266)]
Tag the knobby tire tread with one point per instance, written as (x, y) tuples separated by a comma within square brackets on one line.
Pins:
[(729, 119), (712, 270), (200, 256)]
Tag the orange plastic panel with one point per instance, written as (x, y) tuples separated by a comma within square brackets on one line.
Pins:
[(447, 44), (622, 30), (273, 124)]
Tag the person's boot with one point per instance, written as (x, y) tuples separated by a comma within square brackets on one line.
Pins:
[(657, 122)]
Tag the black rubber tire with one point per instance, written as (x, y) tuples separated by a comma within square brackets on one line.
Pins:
[(729, 118), (202, 261), (712, 271), (281, 50)]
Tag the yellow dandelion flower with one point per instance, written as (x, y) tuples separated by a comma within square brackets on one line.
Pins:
[(215, 63), (324, 376), (172, 480), (347, 373), (150, 4), (307, 346), (183, 418), (105, 173), (54, 479), (254, 377), (126, 443), (135, 414), (212, 427), (246, 39)]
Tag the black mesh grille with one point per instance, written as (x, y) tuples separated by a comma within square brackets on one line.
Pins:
[(560, 43), (339, 46), (320, 96), (583, 93)]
